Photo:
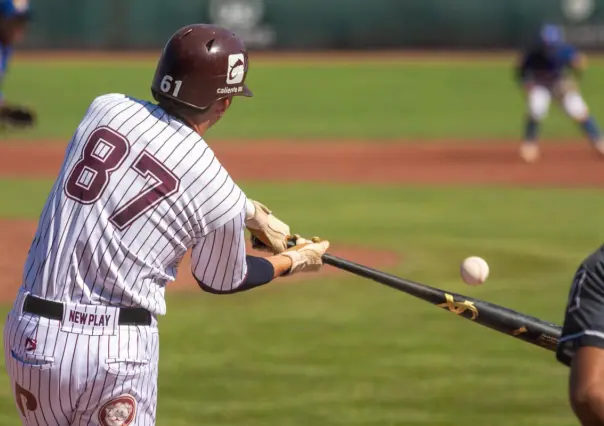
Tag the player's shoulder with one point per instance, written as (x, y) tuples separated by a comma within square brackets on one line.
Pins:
[(106, 101), (109, 99), (210, 164), (121, 108), (567, 51), (216, 197), (211, 173), (569, 47)]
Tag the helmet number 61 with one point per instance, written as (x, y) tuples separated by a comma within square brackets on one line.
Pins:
[(166, 85)]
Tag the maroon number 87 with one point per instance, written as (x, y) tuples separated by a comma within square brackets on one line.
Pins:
[(104, 152)]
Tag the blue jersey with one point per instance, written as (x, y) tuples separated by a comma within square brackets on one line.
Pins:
[(10, 9), (547, 65), (5, 54)]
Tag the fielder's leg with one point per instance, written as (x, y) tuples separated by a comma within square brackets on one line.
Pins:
[(582, 343), (538, 103), (577, 109)]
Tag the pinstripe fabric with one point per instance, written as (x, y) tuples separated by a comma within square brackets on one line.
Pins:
[(136, 190), (70, 385), (78, 255)]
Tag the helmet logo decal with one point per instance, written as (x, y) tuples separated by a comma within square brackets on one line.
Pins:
[(229, 90), (236, 68)]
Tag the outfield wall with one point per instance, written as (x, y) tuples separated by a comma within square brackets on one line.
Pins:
[(315, 24)]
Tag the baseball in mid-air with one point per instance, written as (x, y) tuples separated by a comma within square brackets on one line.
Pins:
[(474, 270)]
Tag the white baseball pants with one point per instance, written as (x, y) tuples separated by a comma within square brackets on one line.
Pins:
[(539, 100), (83, 370)]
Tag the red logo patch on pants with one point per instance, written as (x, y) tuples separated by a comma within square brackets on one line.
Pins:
[(119, 411), (30, 344)]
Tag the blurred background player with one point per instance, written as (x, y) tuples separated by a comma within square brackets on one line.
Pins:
[(14, 16), (547, 70)]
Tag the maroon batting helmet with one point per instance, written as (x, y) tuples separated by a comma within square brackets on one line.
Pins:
[(200, 64)]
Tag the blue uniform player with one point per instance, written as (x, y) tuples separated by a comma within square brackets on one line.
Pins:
[(546, 71), (14, 16)]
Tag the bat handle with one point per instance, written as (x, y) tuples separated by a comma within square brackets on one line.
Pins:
[(291, 242), (334, 261)]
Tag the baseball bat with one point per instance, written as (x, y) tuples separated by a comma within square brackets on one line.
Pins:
[(504, 320)]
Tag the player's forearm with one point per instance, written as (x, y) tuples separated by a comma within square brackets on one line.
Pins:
[(586, 395), (260, 271), (281, 264), (590, 415)]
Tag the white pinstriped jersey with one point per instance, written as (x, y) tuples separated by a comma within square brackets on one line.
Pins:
[(137, 188)]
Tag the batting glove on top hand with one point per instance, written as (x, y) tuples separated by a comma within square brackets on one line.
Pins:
[(306, 256), (272, 233)]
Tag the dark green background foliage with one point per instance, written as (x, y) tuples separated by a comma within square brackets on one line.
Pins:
[(303, 24)]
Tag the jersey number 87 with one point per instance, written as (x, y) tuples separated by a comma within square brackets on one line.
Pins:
[(104, 152)]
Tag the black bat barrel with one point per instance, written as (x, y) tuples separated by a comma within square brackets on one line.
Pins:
[(507, 321)]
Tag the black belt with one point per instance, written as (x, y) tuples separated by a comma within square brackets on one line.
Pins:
[(54, 310)]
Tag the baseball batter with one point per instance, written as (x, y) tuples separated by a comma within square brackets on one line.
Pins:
[(138, 187), (543, 72), (14, 16)]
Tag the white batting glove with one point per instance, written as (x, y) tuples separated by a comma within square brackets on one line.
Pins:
[(272, 232), (306, 256)]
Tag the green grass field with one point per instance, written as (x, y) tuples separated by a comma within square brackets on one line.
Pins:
[(343, 350), (340, 350), (377, 100)]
